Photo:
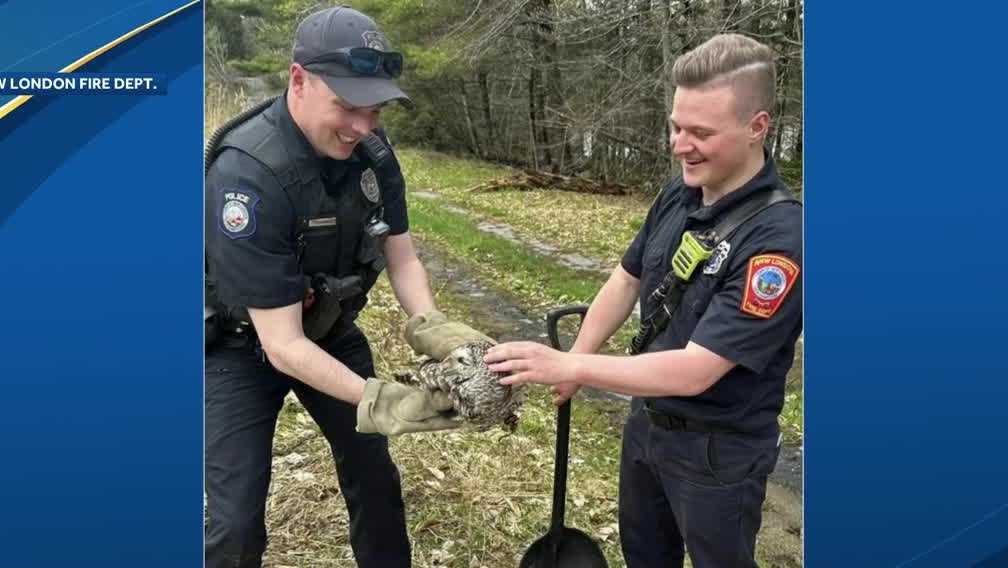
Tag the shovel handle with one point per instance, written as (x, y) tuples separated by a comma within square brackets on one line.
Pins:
[(563, 422), (560, 468), (554, 316)]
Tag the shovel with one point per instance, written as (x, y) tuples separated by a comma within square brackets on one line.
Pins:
[(562, 547)]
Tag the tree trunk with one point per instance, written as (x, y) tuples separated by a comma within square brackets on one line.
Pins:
[(536, 12), (799, 140), (473, 138), (532, 99), (668, 59), (491, 140), (793, 68), (777, 150)]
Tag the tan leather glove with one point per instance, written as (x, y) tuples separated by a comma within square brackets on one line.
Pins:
[(392, 409), (431, 334)]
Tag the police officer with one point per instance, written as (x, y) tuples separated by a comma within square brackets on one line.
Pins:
[(708, 384), (305, 205)]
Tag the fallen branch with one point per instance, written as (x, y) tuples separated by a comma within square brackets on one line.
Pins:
[(531, 180)]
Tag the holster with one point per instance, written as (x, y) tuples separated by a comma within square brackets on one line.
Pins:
[(330, 292)]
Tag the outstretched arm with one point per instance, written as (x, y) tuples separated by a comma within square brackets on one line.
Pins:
[(610, 308), (678, 372), (407, 275)]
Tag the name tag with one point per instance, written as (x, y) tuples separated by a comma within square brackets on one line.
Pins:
[(322, 222)]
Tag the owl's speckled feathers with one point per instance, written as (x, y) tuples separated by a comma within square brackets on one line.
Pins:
[(474, 389)]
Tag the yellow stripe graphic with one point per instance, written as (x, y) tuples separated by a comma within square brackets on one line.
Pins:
[(20, 100)]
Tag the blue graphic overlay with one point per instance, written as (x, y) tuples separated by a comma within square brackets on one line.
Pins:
[(55, 84), (48, 35), (101, 241), (906, 380)]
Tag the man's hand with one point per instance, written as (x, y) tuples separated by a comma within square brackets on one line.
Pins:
[(431, 334), (392, 409), (564, 392), (528, 362)]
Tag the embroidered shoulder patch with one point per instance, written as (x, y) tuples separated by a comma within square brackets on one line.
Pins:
[(236, 217), (768, 281)]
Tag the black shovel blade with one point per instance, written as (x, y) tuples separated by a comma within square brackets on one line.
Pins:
[(570, 549)]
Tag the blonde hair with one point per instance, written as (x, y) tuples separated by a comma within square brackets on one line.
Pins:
[(744, 63)]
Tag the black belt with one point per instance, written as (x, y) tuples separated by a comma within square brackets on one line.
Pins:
[(231, 339), (670, 422)]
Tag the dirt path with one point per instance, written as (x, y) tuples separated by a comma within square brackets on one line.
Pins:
[(501, 316)]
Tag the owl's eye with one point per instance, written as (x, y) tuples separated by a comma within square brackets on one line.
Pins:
[(461, 360)]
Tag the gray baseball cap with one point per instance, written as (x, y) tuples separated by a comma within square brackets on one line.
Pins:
[(324, 33)]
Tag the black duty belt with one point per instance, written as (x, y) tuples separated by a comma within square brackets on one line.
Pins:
[(230, 338), (670, 422)]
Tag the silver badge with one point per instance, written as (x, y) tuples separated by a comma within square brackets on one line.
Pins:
[(374, 39), (369, 186), (716, 259)]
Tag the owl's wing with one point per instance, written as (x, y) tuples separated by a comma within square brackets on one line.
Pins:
[(406, 377)]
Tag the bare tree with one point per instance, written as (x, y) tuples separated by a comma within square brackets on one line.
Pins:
[(570, 86)]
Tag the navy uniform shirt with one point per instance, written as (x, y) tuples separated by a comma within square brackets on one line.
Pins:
[(252, 248), (745, 303)]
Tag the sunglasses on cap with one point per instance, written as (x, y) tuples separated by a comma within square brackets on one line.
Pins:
[(363, 61)]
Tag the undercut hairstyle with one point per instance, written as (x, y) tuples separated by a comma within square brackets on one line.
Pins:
[(744, 63)]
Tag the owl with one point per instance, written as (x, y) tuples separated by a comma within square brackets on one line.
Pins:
[(473, 388)]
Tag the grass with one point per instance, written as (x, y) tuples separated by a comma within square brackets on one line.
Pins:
[(221, 102), (533, 280), (597, 226), (508, 265), (792, 416)]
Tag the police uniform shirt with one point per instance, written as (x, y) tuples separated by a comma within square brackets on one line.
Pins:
[(744, 304), (250, 222)]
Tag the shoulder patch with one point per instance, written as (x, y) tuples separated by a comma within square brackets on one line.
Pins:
[(236, 214), (768, 281)]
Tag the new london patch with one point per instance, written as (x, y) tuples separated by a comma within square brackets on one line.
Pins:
[(769, 279)]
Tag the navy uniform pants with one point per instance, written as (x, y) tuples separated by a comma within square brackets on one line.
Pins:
[(699, 490), (243, 398)]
